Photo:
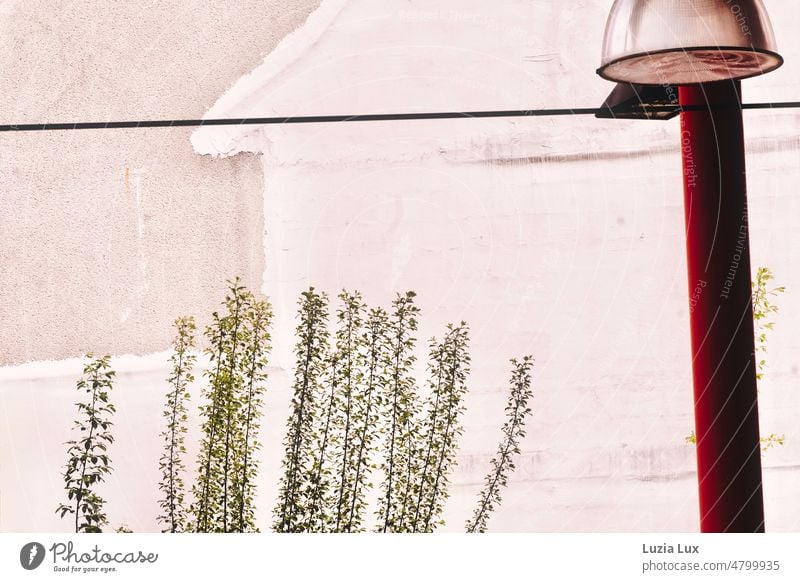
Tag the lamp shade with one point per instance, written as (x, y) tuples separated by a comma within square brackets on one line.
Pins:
[(682, 42)]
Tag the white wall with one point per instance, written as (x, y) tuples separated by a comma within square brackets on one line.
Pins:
[(560, 237)]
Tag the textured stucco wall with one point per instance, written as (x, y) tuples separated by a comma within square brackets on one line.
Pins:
[(559, 237), (106, 236)]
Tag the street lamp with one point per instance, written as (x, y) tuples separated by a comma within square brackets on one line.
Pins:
[(705, 47), (682, 42)]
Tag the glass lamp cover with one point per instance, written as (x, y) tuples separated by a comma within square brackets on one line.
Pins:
[(681, 42)]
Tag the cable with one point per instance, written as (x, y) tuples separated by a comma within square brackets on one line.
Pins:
[(347, 118)]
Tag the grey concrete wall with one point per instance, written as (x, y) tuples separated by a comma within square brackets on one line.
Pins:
[(107, 236)]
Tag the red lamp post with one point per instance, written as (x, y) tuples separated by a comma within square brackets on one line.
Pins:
[(705, 47)]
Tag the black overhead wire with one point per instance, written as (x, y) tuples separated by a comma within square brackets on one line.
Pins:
[(60, 126)]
